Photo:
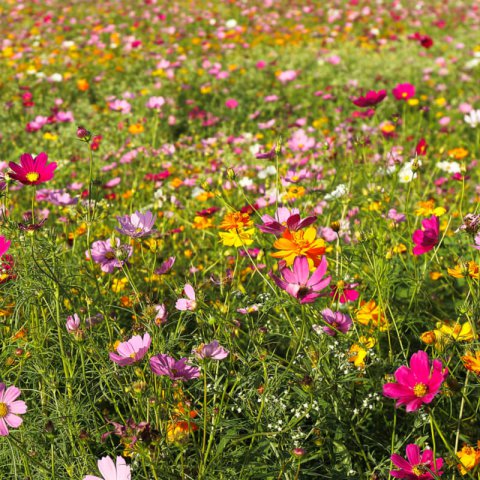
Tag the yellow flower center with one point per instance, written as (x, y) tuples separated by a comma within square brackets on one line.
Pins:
[(419, 470), (420, 390), (32, 176), (3, 410)]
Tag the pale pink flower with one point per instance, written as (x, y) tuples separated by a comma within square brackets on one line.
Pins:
[(111, 471), (189, 303), (212, 350), (132, 350), (10, 408)]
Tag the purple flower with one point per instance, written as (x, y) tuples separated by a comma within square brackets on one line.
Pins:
[(110, 254), (189, 303), (477, 242), (212, 350), (285, 218), (132, 350), (163, 364), (395, 216), (340, 322), (297, 282), (165, 267), (136, 225), (73, 323)]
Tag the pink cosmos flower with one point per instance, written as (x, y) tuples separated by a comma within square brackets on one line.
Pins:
[(121, 106), (73, 323), (417, 465), (111, 471), (189, 303), (212, 350), (371, 98), (10, 408), (163, 364), (344, 292), (426, 239), (340, 322), (403, 91), (165, 267), (418, 384), (155, 102), (33, 171), (297, 282), (285, 218), (110, 254), (477, 242), (136, 225), (4, 245), (231, 103), (161, 315), (132, 350), (287, 76)]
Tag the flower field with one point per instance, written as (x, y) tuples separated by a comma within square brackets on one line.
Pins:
[(240, 240)]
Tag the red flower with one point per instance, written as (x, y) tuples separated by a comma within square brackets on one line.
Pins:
[(421, 148), (371, 99), (33, 171)]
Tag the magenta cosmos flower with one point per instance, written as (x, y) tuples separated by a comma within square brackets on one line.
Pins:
[(371, 98), (4, 245), (111, 471), (403, 91), (417, 465), (110, 254), (136, 225), (132, 350), (340, 322), (33, 171), (418, 384), (298, 283), (10, 408), (163, 364), (212, 350), (285, 218), (426, 239), (189, 303)]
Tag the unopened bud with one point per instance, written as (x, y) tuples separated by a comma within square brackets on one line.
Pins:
[(83, 134)]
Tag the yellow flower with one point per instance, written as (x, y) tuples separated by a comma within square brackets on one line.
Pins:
[(369, 314), (461, 333), (294, 192), (50, 136), (201, 223), (237, 238), (427, 209), (470, 268), (302, 242), (358, 351), (236, 221), (136, 128), (472, 361), (469, 458), (458, 153), (118, 284), (83, 85)]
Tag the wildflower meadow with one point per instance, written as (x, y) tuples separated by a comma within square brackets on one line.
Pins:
[(239, 239)]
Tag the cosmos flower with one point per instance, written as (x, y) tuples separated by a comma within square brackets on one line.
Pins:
[(471, 361), (136, 225), (340, 322), (4, 245), (417, 384), (10, 408), (211, 350), (111, 471), (189, 303), (426, 239), (285, 218), (110, 254), (131, 351), (163, 364), (298, 283), (73, 323), (370, 99), (418, 464), (403, 91), (32, 171)]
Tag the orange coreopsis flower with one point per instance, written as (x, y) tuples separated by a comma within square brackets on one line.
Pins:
[(425, 209), (369, 314), (236, 221), (302, 242), (472, 361), (469, 458), (83, 85)]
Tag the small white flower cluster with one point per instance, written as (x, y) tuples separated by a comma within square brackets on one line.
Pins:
[(473, 118), (449, 167), (340, 191), (370, 401)]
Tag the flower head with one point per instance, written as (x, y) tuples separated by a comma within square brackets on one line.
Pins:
[(471, 361), (10, 408), (426, 239), (189, 303), (285, 219), (4, 245), (33, 171), (111, 471), (212, 350), (403, 91), (163, 364), (131, 351), (136, 225), (469, 458), (298, 283), (73, 323), (110, 254), (418, 384), (371, 98), (418, 464), (340, 322)]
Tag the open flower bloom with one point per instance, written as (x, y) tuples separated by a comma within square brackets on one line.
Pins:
[(426, 239), (212, 350), (370, 99), (110, 254), (418, 384), (189, 303), (344, 292), (131, 351), (471, 361), (136, 225), (469, 458), (163, 364), (477, 242), (298, 283), (33, 171), (404, 91), (285, 218), (111, 471), (4, 245), (10, 408), (418, 464), (340, 322), (73, 323), (293, 244)]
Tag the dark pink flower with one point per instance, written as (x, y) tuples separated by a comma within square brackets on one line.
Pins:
[(298, 283), (285, 218), (4, 245), (340, 322), (163, 364), (418, 384), (344, 292), (370, 99), (403, 91), (426, 239), (418, 464), (33, 171)]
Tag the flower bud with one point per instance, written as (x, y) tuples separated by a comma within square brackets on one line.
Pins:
[(83, 134)]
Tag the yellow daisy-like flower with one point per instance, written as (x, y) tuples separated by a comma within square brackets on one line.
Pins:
[(302, 242), (202, 223), (236, 221), (136, 128), (358, 351), (119, 284), (237, 238), (369, 314), (426, 209), (458, 153), (472, 361), (469, 458), (458, 332), (470, 268)]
